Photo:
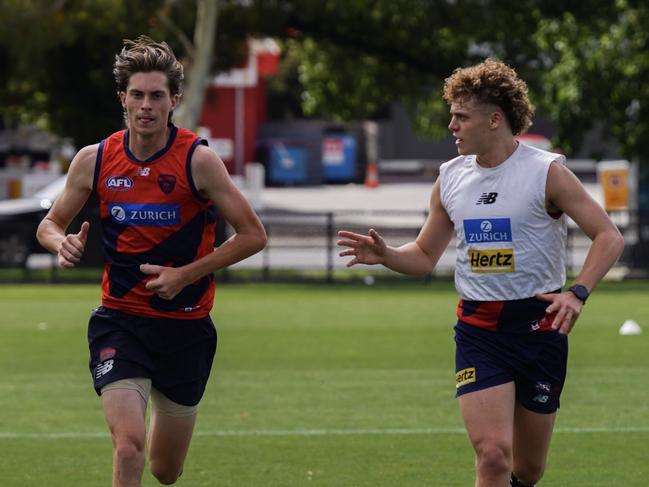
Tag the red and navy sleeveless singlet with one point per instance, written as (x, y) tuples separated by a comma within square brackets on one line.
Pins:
[(151, 212)]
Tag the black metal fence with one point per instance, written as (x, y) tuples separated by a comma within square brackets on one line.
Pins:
[(302, 246), (305, 243)]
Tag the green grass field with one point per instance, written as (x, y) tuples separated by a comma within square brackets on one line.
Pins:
[(323, 386)]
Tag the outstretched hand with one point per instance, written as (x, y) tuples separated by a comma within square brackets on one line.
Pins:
[(366, 249), (167, 283), (73, 246), (567, 308)]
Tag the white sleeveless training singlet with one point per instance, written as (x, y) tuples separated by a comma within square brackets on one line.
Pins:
[(508, 246)]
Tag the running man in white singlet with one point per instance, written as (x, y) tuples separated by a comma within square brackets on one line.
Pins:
[(505, 203)]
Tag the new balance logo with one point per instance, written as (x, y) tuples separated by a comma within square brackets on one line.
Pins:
[(487, 199), (542, 398), (103, 369)]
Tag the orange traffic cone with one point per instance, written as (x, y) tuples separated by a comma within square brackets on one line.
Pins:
[(372, 175)]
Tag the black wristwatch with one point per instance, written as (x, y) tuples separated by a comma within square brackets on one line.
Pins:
[(580, 291)]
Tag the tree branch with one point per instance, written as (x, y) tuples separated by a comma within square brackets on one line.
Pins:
[(164, 17)]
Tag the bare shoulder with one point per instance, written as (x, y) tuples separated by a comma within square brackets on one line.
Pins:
[(436, 198), (82, 168), (561, 171), (208, 170), (564, 191), (204, 157), (561, 179), (87, 155), (89, 151), (78, 186)]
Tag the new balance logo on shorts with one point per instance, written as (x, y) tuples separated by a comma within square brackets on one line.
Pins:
[(487, 199), (103, 368)]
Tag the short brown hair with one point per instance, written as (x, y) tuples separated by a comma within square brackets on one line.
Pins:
[(144, 55), (492, 82)]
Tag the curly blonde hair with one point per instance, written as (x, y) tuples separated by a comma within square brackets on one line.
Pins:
[(492, 82)]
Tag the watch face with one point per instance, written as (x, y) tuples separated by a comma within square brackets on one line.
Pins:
[(580, 291)]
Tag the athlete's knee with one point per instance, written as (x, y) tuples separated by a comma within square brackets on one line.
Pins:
[(528, 470), (166, 478), (166, 475), (494, 457), (128, 452)]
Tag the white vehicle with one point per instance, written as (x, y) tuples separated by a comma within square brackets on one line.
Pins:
[(19, 219)]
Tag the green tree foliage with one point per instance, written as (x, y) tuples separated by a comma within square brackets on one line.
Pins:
[(599, 71), (345, 59), (59, 55), (356, 56), (359, 56)]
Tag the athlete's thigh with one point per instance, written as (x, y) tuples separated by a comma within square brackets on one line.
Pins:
[(116, 351), (170, 437), (183, 365), (125, 410), (488, 414), (532, 434)]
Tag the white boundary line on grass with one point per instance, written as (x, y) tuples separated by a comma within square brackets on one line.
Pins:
[(314, 432)]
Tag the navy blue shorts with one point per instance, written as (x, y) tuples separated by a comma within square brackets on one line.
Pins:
[(535, 361), (175, 354)]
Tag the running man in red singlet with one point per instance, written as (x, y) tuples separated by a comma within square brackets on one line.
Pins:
[(159, 188), (504, 202)]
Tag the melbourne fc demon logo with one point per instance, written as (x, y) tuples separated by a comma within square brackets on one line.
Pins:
[(167, 182)]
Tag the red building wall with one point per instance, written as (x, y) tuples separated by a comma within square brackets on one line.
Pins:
[(220, 118)]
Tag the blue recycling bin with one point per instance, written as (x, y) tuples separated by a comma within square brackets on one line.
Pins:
[(339, 158), (287, 163)]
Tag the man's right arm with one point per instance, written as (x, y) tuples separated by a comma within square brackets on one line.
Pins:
[(78, 186), (413, 258)]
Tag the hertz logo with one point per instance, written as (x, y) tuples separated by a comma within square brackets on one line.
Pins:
[(491, 261), (464, 377)]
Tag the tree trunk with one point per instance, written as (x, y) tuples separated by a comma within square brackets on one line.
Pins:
[(188, 113)]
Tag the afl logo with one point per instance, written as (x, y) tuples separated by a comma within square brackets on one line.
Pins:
[(119, 183), (118, 213), (485, 226)]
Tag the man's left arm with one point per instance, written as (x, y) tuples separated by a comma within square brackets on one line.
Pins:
[(212, 180), (565, 192)]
